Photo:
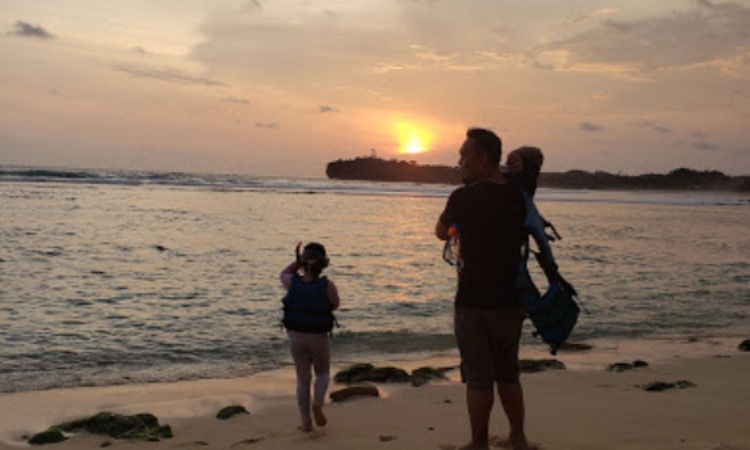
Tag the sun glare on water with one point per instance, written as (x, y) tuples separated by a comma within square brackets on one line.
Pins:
[(412, 139)]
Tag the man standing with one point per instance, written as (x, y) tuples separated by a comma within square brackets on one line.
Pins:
[(487, 212)]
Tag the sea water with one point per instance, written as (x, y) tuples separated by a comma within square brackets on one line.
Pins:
[(113, 277)]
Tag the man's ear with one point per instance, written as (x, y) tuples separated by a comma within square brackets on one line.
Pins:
[(484, 159)]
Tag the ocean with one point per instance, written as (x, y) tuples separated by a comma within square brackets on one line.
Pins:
[(112, 277)]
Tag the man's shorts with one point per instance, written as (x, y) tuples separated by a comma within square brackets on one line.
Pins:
[(488, 341)]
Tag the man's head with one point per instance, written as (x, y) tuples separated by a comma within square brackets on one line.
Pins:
[(480, 154)]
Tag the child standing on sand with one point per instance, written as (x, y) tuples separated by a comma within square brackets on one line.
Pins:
[(308, 318)]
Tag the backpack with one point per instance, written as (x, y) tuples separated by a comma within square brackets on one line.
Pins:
[(554, 314), (307, 308)]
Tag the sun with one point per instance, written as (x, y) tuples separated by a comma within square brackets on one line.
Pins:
[(412, 138), (413, 144)]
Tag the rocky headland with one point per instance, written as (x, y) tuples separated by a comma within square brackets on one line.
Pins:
[(377, 169)]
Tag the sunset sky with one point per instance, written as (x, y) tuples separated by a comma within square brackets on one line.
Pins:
[(281, 87)]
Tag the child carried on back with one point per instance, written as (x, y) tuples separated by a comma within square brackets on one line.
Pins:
[(308, 318)]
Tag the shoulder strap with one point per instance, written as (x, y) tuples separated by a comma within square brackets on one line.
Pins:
[(535, 226)]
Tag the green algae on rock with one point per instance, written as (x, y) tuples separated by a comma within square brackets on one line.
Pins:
[(143, 427), (229, 411)]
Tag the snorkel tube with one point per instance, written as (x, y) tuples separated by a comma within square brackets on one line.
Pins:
[(298, 258)]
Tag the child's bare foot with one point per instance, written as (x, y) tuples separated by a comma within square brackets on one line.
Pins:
[(320, 418), (306, 426)]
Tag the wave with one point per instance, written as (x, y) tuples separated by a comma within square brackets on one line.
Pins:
[(391, 342), (298, 186)]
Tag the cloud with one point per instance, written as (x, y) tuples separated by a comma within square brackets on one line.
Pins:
[(588, 126), (656, 127), (738, 67), (236, 101), (699, 141), (338, 47), (703, 145), (168, 75), (591, 15), (709, 34), (267, 125), (26, 29), (326, 109), (253, 4)]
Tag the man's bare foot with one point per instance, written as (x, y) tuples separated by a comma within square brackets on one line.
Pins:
[(525, 446), (320, 418), (306, 426), (471, 446), (514, 444)]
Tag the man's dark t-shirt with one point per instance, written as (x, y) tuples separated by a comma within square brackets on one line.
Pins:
[(489, 217)]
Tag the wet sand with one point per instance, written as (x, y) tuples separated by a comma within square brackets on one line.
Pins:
[(566, 410)]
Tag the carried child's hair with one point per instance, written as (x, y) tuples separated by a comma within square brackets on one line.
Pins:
[(314, 259)]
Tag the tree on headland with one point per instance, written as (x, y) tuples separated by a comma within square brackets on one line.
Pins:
[(374, 168)]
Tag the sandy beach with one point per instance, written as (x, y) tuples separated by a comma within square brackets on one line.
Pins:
[(566, 409)]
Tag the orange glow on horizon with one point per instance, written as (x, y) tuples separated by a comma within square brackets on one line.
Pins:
[(412, 138)]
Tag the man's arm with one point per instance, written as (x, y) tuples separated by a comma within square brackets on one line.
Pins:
[(448, 216), (441, 231)]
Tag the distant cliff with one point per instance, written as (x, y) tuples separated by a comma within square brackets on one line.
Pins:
[(678, 179), (376, 169)]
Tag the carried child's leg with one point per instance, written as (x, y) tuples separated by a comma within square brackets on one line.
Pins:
[(302, 362), (322, 364)]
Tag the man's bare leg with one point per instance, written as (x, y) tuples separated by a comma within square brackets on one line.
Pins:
[(511, 397), (479, 404)]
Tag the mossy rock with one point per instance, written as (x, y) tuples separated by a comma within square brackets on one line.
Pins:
[(348, 374), (363, 372), (47, 437), (619, 367), (229, 411), (430, 373), (658, 386), (366, 390), (538, 365), (423, 375), (385, 375), (144, 426)]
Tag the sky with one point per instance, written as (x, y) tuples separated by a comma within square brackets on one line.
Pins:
[(281, 87)]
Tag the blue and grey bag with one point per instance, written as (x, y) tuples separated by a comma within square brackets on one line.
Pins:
[(554, 314)]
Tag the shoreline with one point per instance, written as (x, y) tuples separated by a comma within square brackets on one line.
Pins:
[(604, 350), (189, 406)]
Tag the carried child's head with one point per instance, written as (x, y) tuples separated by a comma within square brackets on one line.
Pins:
[(313, 259)]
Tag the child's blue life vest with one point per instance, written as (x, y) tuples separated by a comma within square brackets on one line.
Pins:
[(555, 313), (307, 307)]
